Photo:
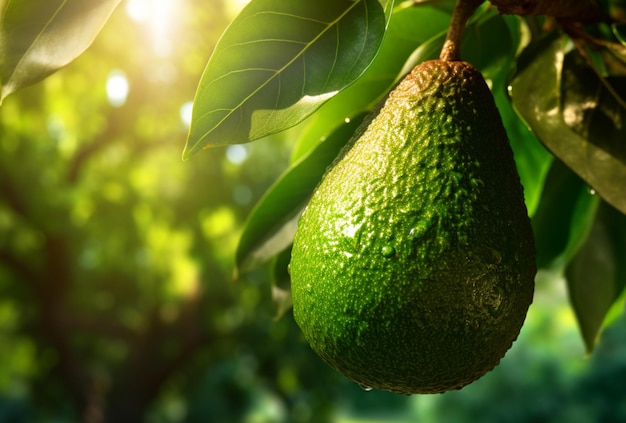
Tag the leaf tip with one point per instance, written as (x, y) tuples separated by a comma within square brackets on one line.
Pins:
[(189, 151)]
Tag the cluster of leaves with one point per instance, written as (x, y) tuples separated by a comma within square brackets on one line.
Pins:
[(560, 87)]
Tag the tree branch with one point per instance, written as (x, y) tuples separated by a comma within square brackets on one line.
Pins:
[(580, 10), (11, 196), (100, 326), (451, 50), (18, 266)]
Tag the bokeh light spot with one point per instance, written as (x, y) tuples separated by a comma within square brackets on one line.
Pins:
[(117, 88), (236, 154), (185, 113)]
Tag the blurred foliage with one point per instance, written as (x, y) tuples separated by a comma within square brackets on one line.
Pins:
[(117, 302)]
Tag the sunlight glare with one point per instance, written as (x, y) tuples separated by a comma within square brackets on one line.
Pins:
[(117, 88), (137, 10), (233, 7), (159, 17), (185, 113), (236, 154)]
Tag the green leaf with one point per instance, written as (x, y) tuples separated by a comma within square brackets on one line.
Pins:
[(38, 37), (271, 225), (481, 29), (597, 274), (564, 216), (574, 115), (531, 158), (277, 63), (401, 37)]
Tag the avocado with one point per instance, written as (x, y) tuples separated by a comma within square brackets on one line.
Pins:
[(413, 264)]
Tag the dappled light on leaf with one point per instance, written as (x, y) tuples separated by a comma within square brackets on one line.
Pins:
[(591, 110)]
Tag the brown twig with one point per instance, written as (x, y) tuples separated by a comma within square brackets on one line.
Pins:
[(451, 50), (578, 36), (580, 10)]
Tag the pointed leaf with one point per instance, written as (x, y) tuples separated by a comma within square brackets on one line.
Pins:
[(271, 225), (564, 217), (38, 37), (597, 275), (277, 63), (532, 159), (574, 114)]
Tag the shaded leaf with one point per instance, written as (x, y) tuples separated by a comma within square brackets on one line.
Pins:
[(38, 37), (487, 44), (271, 225), (591, 110), (597, 274), (531, 158), (277, 63), (564, 216), (574, 116)]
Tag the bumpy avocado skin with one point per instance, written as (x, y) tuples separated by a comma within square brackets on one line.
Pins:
[(413, 265)]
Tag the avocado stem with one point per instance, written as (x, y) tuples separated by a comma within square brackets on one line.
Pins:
[(451, 50)]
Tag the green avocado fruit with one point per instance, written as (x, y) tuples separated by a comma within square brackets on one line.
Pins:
[(413, 264)]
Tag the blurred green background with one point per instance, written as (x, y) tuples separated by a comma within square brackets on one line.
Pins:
[(117, 302)]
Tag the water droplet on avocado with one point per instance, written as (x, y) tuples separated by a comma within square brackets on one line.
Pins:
[(420, 229), (365, 387), (387, 251)]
